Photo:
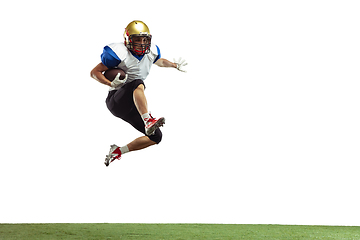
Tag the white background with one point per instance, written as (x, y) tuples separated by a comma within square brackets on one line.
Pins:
[(263, 129)]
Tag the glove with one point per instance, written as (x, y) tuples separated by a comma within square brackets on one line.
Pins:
[(180, 64), (117, 82)]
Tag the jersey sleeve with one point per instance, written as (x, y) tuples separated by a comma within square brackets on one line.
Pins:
[(109, 58), (159, 54)]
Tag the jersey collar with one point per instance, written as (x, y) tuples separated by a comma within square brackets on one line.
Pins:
[(137, 56)]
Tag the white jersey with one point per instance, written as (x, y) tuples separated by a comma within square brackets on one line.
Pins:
[(135, 68)]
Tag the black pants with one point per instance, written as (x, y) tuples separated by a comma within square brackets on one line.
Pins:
[(121, 104)]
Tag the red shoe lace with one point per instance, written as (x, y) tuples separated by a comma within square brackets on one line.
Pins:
[(118, 152), (151, 119)]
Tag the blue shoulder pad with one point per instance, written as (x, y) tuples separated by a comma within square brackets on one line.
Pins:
[(109, 58), (159, 54)]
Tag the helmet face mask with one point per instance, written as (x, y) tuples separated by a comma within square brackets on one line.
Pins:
[(139, 44), (137, 38)]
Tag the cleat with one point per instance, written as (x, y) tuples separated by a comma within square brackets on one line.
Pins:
[(114, 153), (152, 124)]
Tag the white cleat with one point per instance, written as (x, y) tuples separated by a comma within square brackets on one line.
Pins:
[(114, 153), (152, 124)]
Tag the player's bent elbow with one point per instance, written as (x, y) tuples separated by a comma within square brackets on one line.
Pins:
[(98, 70), (92, 73)]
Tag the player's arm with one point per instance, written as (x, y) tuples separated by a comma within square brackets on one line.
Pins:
[(162, 62), (97, 74), (179, 65)]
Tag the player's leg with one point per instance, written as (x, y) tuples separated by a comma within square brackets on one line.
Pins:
[(140, 143), (122, 104), (145, 141), (116, 152), (129, 103), (140, 99), (151, 124)]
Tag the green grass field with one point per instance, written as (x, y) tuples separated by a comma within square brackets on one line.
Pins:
[(174, 231)]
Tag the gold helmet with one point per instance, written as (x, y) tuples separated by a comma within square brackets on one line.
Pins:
[(133, 31)]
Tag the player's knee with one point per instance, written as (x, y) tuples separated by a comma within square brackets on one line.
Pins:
[(157, 137)]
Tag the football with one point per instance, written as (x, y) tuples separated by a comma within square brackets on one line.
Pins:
[(111, 73)]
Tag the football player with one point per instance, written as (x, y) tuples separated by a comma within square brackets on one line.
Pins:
[(126, 98)]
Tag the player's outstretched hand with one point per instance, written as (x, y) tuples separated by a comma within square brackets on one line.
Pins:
[(117, 82), (180, 64)]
